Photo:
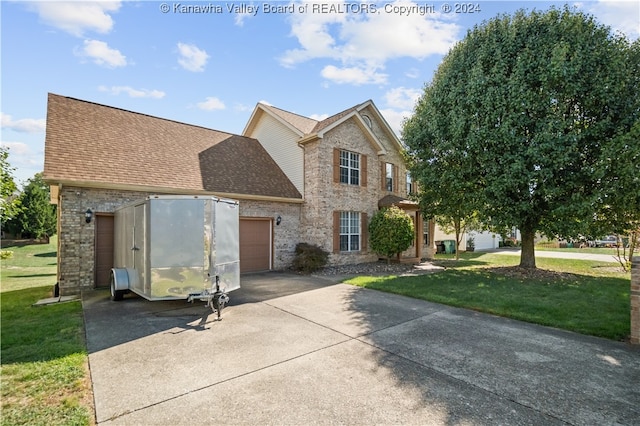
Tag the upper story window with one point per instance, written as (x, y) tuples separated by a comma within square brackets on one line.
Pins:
[(410, 188), (349, 168), (389, 175)]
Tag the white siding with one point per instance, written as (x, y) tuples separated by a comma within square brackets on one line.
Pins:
[(282, 145), (485, 240)]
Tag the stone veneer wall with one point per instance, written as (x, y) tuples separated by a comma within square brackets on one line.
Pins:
[(635, 300), (76, 242)]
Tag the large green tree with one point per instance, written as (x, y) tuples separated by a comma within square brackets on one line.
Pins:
[(9, 201), (38, 216), (529, 104)]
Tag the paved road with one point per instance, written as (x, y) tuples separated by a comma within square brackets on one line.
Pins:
[(296, 350)]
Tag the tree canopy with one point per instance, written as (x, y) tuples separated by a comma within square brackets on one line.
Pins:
[(38, 217), (521, 123), (9, 202)]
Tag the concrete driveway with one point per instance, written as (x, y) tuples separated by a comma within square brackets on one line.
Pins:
[(297, 350)]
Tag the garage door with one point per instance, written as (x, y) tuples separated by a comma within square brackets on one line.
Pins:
[(255, 245)]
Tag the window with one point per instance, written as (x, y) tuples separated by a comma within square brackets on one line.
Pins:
[(349, 168), (349, 231), (409, 184), (389, 176)]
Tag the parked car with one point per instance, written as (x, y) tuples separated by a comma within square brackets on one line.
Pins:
[(608, 241)]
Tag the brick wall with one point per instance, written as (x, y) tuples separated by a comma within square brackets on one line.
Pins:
[(76, 242), (635, 300), (286, 235), (323, 196)]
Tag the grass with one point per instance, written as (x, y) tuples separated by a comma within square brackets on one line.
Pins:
[(44, 367), (583, 296)]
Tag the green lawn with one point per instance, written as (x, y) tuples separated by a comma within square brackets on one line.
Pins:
[(583, 296), (45, 376)]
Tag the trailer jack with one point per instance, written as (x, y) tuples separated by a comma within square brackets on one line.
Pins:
[(216, 300)]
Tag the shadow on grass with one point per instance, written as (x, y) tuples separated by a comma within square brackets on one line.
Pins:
[(585, 304), (513, 360), (31, 334), (48, 254), (33, 276)]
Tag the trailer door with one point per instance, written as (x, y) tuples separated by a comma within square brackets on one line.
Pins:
[(139, 245)]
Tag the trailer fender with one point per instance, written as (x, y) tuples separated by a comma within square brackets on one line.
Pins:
[(119, 283)]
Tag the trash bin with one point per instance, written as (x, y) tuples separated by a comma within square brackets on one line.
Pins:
[(449, 246), (439, 247)]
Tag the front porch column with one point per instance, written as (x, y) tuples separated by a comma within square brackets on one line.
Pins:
[(419, 232)]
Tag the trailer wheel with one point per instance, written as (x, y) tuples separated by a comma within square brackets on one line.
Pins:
[(116, 295)]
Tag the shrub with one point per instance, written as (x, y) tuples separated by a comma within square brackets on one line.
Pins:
[(390, 232), (309, 258)]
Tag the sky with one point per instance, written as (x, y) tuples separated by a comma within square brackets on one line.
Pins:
[(209, 63)]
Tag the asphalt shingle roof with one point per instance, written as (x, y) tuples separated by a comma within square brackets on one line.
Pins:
[(89, 143)]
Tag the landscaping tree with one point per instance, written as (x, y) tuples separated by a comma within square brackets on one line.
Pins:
[(9, 201), (390, 232), (527, 105), (448, 189), (38, 216), (618, 210)]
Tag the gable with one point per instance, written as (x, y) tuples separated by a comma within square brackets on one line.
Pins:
[(282, 145), (95, 145)]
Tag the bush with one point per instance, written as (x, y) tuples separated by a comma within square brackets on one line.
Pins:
[(309, 258), (6, 254), (390, 232)]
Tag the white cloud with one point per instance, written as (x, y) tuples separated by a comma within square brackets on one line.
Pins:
[(622, 16), (25, 125), (102, 54), (319, 117), (133, 93), (211, 104), (353, 75), (395, 118), (191, 57), (365, 42), (17, 148), (242, 107), (412, 73), (402, 98), (241, 17), (26, 160), (77, 17)]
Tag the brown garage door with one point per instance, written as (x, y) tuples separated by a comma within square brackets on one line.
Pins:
[(104, 249), (255, 245)]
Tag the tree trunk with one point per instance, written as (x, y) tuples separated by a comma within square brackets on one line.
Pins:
[(456, 225), (528, 256)]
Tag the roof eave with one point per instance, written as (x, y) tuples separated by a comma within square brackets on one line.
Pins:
[(167, 190)]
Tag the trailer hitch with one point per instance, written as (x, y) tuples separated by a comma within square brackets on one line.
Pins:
[(216, 300)]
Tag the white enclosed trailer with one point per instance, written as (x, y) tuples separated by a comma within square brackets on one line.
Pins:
[(169, 247)]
